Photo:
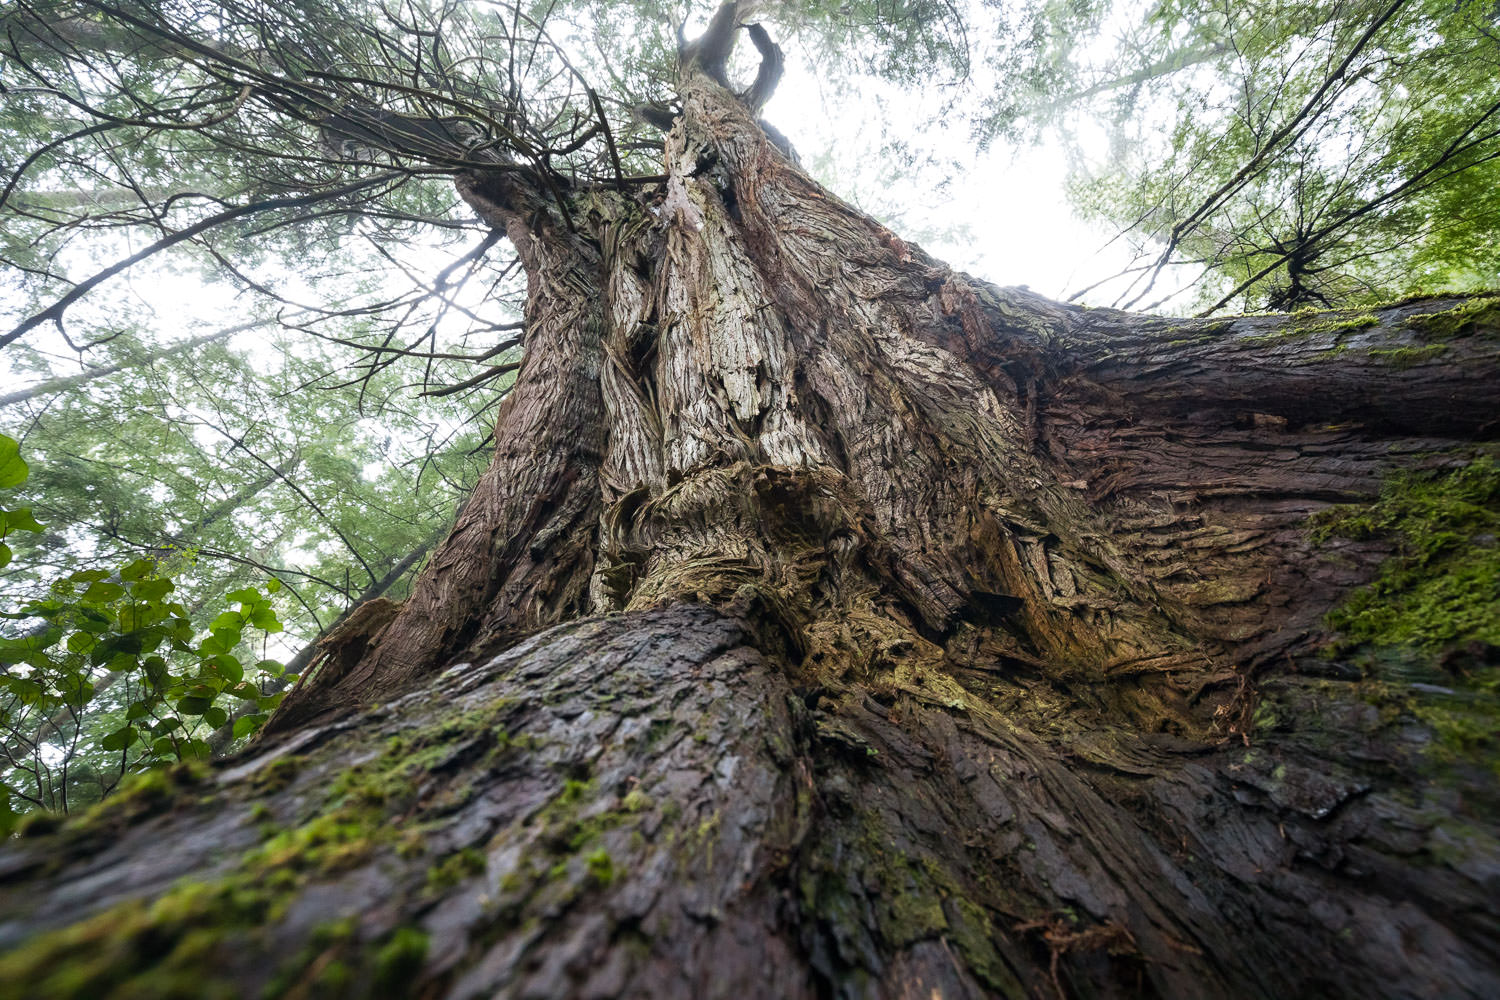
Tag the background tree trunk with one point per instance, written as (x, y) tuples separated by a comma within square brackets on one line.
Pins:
[(832, 623)]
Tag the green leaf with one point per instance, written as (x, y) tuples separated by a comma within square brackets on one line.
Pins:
[(92, 621), (265, 618), (13, 471), (112, 645), (228, 667), (4, 555), (154, 589), (163, 746), (28, 644), (102, 593), (156, 671), (196, 749), (247, 724), (165, 726), (229, 636), (193, 706), (215, 717), (120, 738), (245, 691), (81, 642), (229, 620), (247, 595), (19, 519), (138, 710), (273, 586), (272, 667), (138, 570), (134, 617), (28, 691)]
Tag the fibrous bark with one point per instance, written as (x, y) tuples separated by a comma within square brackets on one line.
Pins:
[(834, 623)]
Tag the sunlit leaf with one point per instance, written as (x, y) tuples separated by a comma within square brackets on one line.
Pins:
[(247, 724), (13, 470)]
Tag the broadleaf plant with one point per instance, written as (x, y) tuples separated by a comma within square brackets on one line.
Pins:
[(106, 675)]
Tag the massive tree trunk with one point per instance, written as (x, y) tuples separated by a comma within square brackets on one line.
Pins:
[(834, 623)]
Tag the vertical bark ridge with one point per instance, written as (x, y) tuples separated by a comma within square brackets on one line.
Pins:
[(523, 550)]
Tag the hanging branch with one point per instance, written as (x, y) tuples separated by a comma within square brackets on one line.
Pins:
[(54, 312)]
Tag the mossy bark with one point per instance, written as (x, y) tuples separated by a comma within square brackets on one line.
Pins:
[(834, 623)]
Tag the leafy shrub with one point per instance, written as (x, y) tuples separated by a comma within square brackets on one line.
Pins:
[(108, 676)]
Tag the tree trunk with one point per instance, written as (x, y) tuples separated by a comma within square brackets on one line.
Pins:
[(831, 623)]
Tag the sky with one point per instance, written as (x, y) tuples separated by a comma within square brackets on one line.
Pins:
[(1003, 216)]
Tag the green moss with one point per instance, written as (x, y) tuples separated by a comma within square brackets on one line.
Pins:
[(973, 932), (39, 824), (326, 845), (180, 944), (165, 949), (399, 960), (454, 869), (1304, 323), (636, 801), (276, 775), (327, 940), (140, 795), (1408, 357), (1434, 599), (1473, 314), (1463, 731), (1442, 585), (915, 908), (600, 867)]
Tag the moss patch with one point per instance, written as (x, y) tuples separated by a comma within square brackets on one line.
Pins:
[(454, 869), (1481, 313), (187, 941), (1313, 322), (166, 949), (1442, 584), (1408, 357), (1430, 621)]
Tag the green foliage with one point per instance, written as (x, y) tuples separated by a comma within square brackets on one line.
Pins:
[(13, 472), (110, 674), (1276, 155)]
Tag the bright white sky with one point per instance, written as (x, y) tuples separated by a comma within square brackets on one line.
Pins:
[(1007, 212), (1003, 214)]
